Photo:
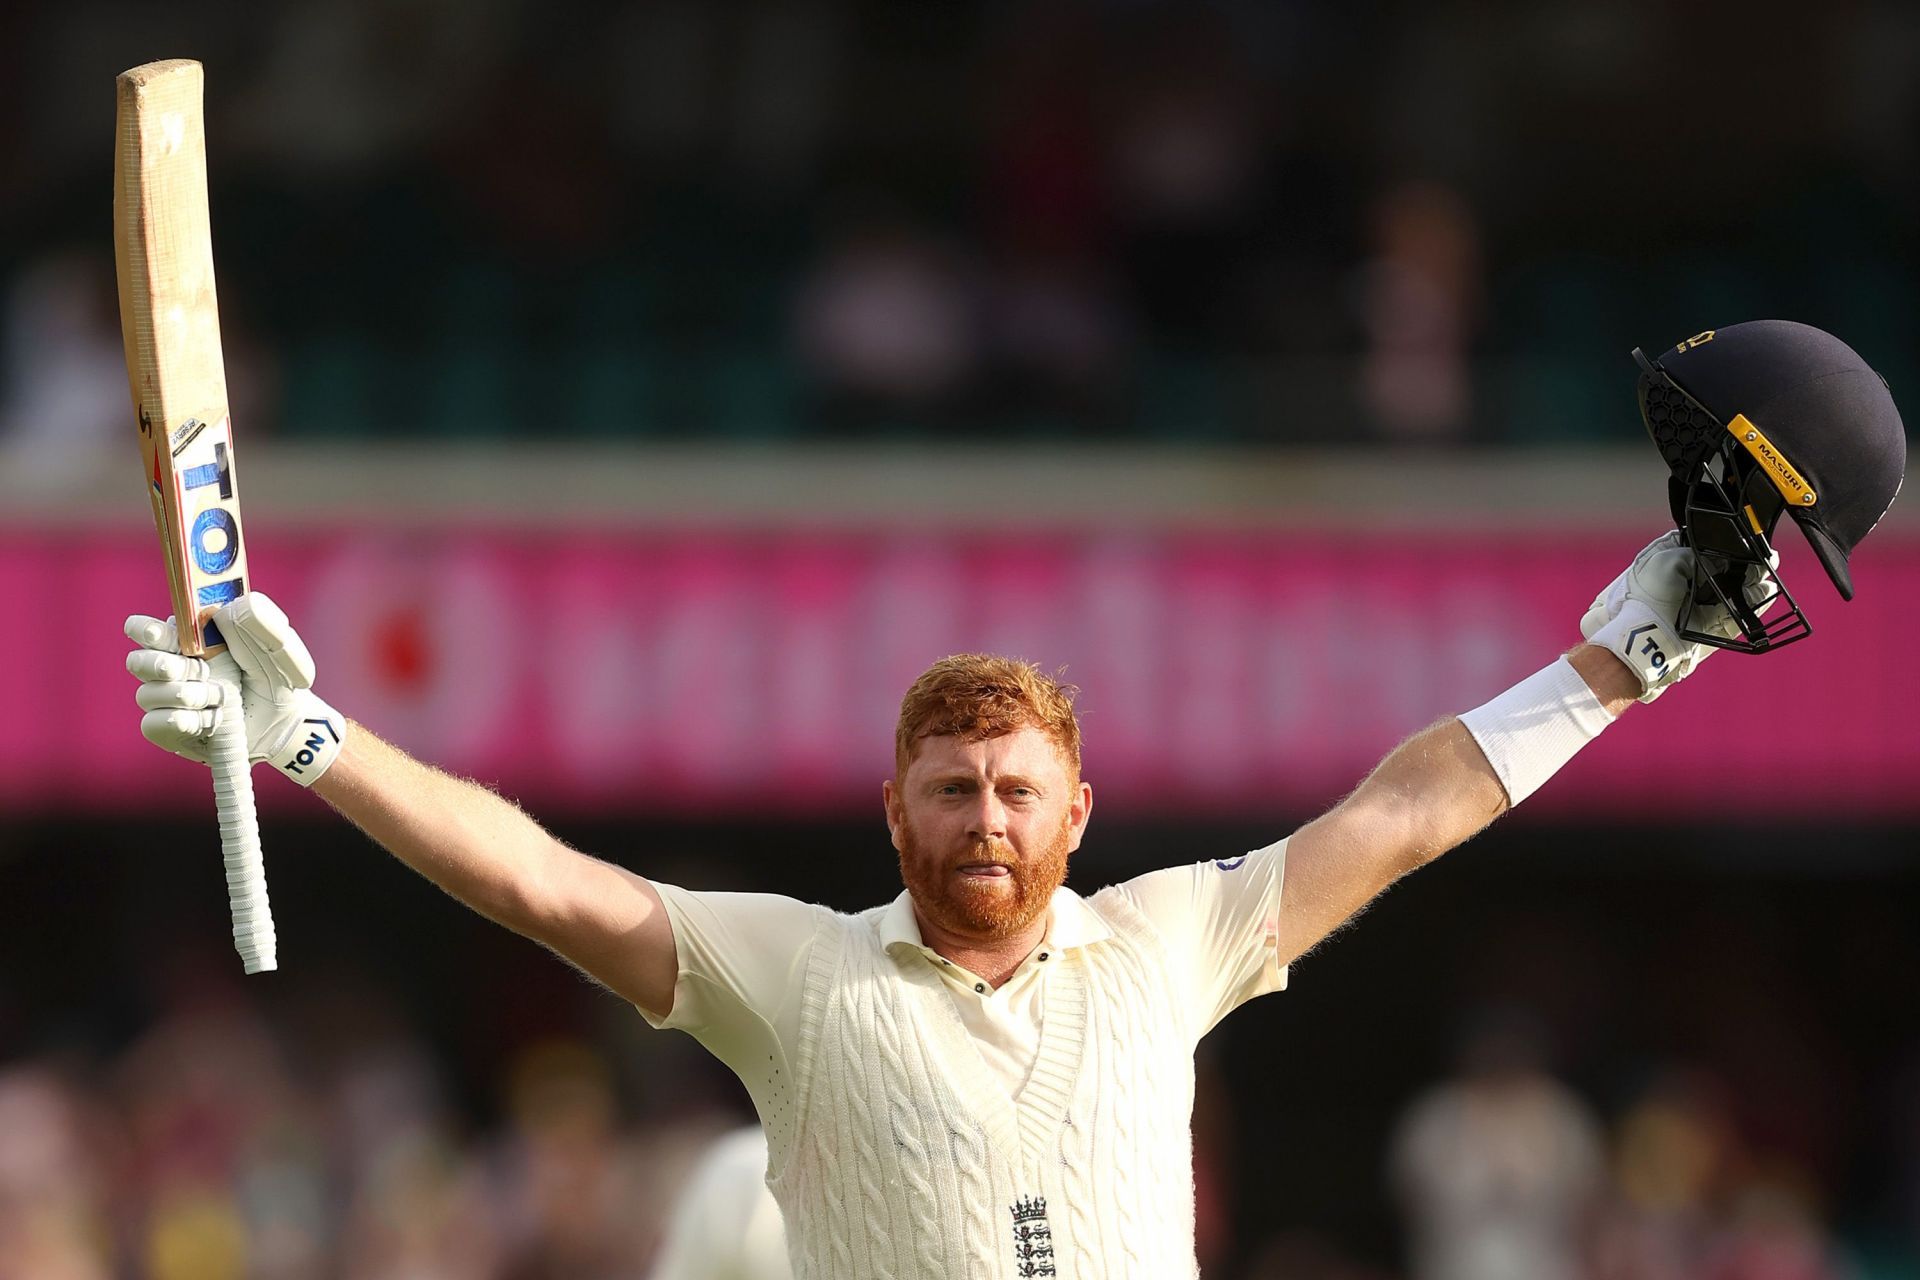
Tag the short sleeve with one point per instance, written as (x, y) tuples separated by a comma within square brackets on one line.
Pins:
[(1222, 919), (741, 958)]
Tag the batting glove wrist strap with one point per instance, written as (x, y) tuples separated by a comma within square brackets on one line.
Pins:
[(1529, 732), (313, 741), (1640, 637)]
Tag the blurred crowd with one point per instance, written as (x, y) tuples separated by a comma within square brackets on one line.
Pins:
[(217, 1144), (1302, 222)]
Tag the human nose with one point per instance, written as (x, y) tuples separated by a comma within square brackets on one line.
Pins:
[(988, 821)]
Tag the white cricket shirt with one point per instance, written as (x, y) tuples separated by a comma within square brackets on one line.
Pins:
[(742, 958), (922, 1125)]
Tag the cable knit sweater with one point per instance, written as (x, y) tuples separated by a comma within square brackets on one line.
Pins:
[(905, 1159)]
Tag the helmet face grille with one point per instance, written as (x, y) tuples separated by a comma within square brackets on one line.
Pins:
[(1726, 513), (1745, 592)]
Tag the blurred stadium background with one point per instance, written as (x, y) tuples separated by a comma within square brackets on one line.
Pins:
[(634, 396)]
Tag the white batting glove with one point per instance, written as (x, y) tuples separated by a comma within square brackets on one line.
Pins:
[(288, 725), (1636, 615)]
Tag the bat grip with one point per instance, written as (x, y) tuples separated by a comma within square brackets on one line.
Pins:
[(253, 934)]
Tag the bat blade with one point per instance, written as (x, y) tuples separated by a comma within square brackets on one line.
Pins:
[(170, 323), (176, 371)]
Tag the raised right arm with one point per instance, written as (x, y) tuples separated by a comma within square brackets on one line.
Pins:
[(476, 845), (485, 851)]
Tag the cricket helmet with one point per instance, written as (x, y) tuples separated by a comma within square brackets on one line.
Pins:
[(1758, 419)]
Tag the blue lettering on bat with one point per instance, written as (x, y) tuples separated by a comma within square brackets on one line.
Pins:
[(201, 476), (215, 559), (221, 592), (219, 471), (216, 595)]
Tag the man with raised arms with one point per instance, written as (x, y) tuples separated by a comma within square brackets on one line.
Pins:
[(992, 1076)]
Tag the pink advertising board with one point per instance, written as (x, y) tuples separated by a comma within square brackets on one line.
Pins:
[(629, 672)]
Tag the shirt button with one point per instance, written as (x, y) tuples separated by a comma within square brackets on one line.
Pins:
[(980, 986)]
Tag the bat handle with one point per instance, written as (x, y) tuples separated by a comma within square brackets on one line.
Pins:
[(239, 825)]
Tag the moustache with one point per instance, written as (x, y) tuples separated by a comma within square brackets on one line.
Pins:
[(984, 851)]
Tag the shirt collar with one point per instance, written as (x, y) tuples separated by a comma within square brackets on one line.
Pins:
[(1070, 923)]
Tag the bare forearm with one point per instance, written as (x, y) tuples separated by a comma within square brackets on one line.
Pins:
[(1431, 793), (1439, 784), (483, 850), (1611, 681), (471, 842)]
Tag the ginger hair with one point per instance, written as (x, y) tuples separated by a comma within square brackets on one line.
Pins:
[(975, 696)]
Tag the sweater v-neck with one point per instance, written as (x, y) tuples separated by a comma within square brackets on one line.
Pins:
[(1022, 1125)]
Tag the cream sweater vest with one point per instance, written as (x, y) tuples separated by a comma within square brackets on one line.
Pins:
[(902, 1159)]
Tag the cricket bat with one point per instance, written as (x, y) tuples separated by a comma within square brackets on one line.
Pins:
[(170, 321)]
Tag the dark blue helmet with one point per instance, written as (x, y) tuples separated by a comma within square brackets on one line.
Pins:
[(1762, 418)]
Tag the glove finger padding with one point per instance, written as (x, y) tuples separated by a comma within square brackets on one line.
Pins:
[(181, 731), (162, 665), (180, 695), (151, 633)]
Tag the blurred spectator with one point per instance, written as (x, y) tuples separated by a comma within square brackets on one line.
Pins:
[(1772, 1234), (1419, 302), (54, 1213), (727, 1225), (419, 1211), (1044, 182), (1059, 340), (1498, 1168), (415, 1196), (1187, 165), (224, 1160), (1673, 1149), (886, 324), (340, 90), (567, 1180), (63, 401)]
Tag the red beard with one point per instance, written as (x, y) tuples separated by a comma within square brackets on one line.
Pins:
[(992, 910)]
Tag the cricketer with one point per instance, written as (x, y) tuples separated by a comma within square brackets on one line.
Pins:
[(992, 1075)]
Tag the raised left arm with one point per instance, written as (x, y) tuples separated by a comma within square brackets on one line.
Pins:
[(1431, 793)]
